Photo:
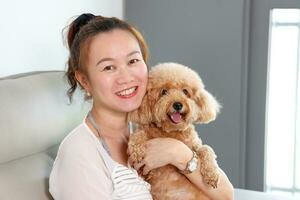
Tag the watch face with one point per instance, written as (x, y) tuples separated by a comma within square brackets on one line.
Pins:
[(192, 165)]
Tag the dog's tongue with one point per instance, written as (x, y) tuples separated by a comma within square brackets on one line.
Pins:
[(176, 117)]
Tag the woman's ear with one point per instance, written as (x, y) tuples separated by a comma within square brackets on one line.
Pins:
[(143, 114), (83, 80), (208, 107)]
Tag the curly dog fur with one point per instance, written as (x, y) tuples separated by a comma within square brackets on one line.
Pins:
[(158, 116)]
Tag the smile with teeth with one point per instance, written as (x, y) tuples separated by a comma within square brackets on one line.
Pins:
[(127, 92)]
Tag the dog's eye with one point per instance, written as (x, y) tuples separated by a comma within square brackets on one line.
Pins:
[(186, 92), (164, 92)]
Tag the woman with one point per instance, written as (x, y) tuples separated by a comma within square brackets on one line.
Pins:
[(108, 60)]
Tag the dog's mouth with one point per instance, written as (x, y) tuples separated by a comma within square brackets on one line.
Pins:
[(176, 117)]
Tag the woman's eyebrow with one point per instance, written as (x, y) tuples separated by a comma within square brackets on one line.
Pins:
[(110, 59), (133, 52), (104, 59)]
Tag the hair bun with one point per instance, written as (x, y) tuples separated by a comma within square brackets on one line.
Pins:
[(82, 20)]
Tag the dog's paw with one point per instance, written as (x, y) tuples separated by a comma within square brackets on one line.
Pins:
[(212, 179)]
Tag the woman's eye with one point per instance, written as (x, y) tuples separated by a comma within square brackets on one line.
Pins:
[(163, 92), (108, 68), (132, 61), (186, 92)]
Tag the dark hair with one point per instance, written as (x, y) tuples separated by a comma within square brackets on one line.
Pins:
[(79, 34)]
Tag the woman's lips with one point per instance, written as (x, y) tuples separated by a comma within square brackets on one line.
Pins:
[(128, 93)]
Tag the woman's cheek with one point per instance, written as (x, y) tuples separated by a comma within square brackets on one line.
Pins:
[(145, 73), (142, 73), (143, 85)]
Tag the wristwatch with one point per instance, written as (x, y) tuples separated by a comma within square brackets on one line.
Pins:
[(191, 165)]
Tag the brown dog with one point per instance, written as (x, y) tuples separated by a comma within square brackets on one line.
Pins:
[(175, 99)]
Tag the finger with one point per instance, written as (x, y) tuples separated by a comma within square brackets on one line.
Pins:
[(149, 143), (146, 170), (131, 161), (137, 166)]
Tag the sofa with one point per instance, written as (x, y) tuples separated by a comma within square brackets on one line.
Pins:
[(35, 115)]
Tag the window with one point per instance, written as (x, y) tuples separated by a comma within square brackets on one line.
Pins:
[(283, 103)]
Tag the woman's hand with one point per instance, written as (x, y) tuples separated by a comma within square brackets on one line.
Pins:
[(163, 151)]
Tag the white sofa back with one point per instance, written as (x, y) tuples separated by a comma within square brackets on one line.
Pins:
[(35, 116)]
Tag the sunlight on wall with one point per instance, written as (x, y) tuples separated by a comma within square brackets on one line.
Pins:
[(30, 32)]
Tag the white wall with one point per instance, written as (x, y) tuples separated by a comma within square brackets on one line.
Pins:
[(31, 31)]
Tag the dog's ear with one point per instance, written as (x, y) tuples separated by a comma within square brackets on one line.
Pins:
[(143, 114), (208, 106)]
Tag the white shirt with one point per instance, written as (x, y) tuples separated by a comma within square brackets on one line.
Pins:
[(83, 170)]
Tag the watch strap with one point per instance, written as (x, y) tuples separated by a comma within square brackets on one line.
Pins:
[(193, 161)]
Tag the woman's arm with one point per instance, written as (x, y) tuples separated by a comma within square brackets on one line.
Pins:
[(175, 152), (224, 190)]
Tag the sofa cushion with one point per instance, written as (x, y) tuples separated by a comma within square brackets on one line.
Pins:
[(27, 178), (242, 194), (35, 116), (34, 113)]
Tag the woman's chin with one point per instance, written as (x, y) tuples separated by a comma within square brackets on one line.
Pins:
[(129, 108)]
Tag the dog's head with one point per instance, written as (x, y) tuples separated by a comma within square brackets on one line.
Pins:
[(175, 97)]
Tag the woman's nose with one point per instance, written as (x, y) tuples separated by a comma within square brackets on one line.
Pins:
[(125, 76)]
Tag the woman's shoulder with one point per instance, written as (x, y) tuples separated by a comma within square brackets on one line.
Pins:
[(78, 142), (82, 145), (82, 148), (78, 165)]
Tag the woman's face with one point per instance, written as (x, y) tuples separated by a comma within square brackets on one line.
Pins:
[(117, 73)]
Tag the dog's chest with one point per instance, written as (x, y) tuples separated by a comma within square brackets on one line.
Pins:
[(168, 184)]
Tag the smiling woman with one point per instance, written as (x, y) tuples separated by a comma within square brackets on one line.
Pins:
[(108, 60)]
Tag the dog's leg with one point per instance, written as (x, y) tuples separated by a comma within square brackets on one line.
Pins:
[(136, 148), (208, 165)]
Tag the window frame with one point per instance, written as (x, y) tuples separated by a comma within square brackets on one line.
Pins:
[(257, 70)]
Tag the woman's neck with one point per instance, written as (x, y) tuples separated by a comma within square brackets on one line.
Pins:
[(111, 124)]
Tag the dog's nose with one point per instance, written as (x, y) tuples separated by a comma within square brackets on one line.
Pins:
[(177, 106)]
